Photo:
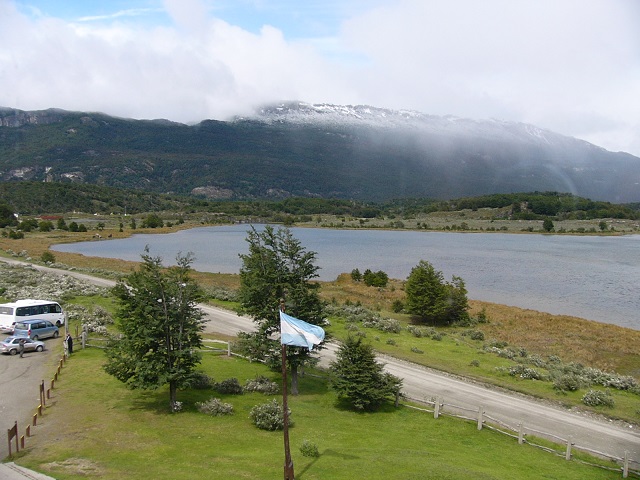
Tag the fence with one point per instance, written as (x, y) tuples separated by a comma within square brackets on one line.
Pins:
[(483, 420)]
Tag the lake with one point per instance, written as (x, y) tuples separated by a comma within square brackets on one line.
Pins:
[(593, 277)]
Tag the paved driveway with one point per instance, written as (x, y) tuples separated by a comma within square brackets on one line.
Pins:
[(20, 380)]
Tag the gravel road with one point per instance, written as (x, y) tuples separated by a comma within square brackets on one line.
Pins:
[(601, 435)]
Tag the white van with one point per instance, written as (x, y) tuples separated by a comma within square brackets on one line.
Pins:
[(11, 313)]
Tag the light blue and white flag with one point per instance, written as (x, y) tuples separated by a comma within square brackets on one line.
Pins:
[(298, 333)]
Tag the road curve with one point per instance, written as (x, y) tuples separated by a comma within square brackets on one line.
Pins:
[(420, 383)]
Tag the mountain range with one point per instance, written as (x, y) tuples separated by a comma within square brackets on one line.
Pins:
[(311, 150)]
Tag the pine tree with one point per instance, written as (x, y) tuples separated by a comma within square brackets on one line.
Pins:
[(359, 379)]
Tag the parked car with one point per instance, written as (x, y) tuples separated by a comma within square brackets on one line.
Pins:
[(11, 345), (35, 329)]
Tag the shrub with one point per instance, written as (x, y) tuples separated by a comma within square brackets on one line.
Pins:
[(309, 449), (262, 384), (525, 372), (569, 382), (215, 407), (268, 416), (202, 381), (416, 331), (475, 363), (48, 257), (595, 398), (230, 386), (416, 350)]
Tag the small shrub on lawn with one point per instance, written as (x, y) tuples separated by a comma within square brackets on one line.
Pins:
[(309, 449), (596, 398), (416, 350), (475, 363), (229, 386), (268, 416), (215, 407), (262, 384), (202, 381)]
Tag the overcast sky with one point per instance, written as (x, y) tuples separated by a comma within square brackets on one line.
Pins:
[(572, 66)]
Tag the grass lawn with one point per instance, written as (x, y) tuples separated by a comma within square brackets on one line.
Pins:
[(94, 427)]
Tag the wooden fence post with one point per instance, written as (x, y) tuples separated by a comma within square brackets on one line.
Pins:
[(520, 433), (11, 433), (480, 417), (436, 410), (34, 421), (28, 430), (567, 455), (625, 465), (228, 349)]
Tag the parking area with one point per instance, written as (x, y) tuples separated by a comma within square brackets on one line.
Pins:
[(20, 380)]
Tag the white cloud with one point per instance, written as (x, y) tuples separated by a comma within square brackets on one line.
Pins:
[(569, 65)]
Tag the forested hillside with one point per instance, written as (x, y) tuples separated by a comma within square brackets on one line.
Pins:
[(363, 154)]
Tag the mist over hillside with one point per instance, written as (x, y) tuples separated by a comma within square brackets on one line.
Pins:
[(298, 149)]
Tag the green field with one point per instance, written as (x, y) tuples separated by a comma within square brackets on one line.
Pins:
[(95, 428)]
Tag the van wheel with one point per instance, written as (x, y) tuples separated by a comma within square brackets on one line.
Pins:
[(35, 338), (39, 348), (58, 324), (55, 334), (13, 351)]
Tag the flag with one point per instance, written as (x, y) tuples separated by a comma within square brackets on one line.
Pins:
[(298, 333)]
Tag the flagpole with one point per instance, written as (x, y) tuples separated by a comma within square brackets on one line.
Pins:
[(288, 462)]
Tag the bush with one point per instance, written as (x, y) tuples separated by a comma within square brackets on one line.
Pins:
[(229, 386), (262, 384), (215, 407), (568, 382), (525, 372), (268, 416), (202, 381), (48, 257), (308, 449), (596, 398)]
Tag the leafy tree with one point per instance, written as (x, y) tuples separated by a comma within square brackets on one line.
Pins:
[(358, 379), (434, 300), (45, 226), (62, 225), (278, 267), (7, 216), (375, 279), (73, 227), (152, 221), (547, 225), (356, 276), (160, 324)]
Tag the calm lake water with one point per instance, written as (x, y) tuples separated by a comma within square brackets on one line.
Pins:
[(597, 278)]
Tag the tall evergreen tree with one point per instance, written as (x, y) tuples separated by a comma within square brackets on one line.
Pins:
[(278, 267), (160, 324)]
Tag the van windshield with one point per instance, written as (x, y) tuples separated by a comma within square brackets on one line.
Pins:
[(21, 326)]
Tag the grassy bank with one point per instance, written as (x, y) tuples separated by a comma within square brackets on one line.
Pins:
[(94, 427)]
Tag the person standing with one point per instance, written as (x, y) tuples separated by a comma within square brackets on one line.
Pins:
[(69, 341), (21, 347)]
